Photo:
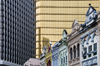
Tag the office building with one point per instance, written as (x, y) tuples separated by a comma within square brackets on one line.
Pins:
[(53, 16), (16, 32), (34, 28)]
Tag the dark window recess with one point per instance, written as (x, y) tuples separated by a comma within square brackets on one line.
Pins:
[(78, 50), (95, 48), (90, 48), (74, 52), (71, 54), (85, 50), (90, 17), (66, 58), (84, 57)]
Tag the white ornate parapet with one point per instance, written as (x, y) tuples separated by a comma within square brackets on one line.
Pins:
[(98, 13)]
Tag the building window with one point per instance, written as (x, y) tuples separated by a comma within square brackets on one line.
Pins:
[(61, 60), (78, 50), (66, 58), (74, 52), (90, 49), (71, 54), (95, 48), (85, 50)]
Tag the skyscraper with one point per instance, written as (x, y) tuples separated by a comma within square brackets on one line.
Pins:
[(16, 32), (53, 16), (34, 27)]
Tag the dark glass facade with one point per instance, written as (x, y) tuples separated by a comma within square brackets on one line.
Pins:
[(16, 31), (34, 28)]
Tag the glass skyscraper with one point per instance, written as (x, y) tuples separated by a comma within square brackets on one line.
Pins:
[(16, 32)]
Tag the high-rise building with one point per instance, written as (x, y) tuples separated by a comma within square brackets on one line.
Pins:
[(53, 16), (16, 32), (34, 27)]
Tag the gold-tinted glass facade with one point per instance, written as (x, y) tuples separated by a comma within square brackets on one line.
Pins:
[(53, 16)]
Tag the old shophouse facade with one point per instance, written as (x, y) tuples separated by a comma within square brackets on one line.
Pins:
[(55, 54), (90, 39), (73, 40), (48, 56), (81, 47), (63, 51)]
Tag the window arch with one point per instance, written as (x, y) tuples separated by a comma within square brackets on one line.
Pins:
[(71, 54), (74, 51), (78, 50)]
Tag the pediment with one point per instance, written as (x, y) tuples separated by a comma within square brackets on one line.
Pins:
[(91, 17), (75, 25), (90, 10), (75, 29)]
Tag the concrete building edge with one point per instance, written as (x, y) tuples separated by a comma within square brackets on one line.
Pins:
[(6, 63)]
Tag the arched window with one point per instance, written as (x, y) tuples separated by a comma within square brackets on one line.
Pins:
[(78, 50), (74, 51), (71, 54)]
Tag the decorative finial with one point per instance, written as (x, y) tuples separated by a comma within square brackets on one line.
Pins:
[(89, 4), (50, 42)]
